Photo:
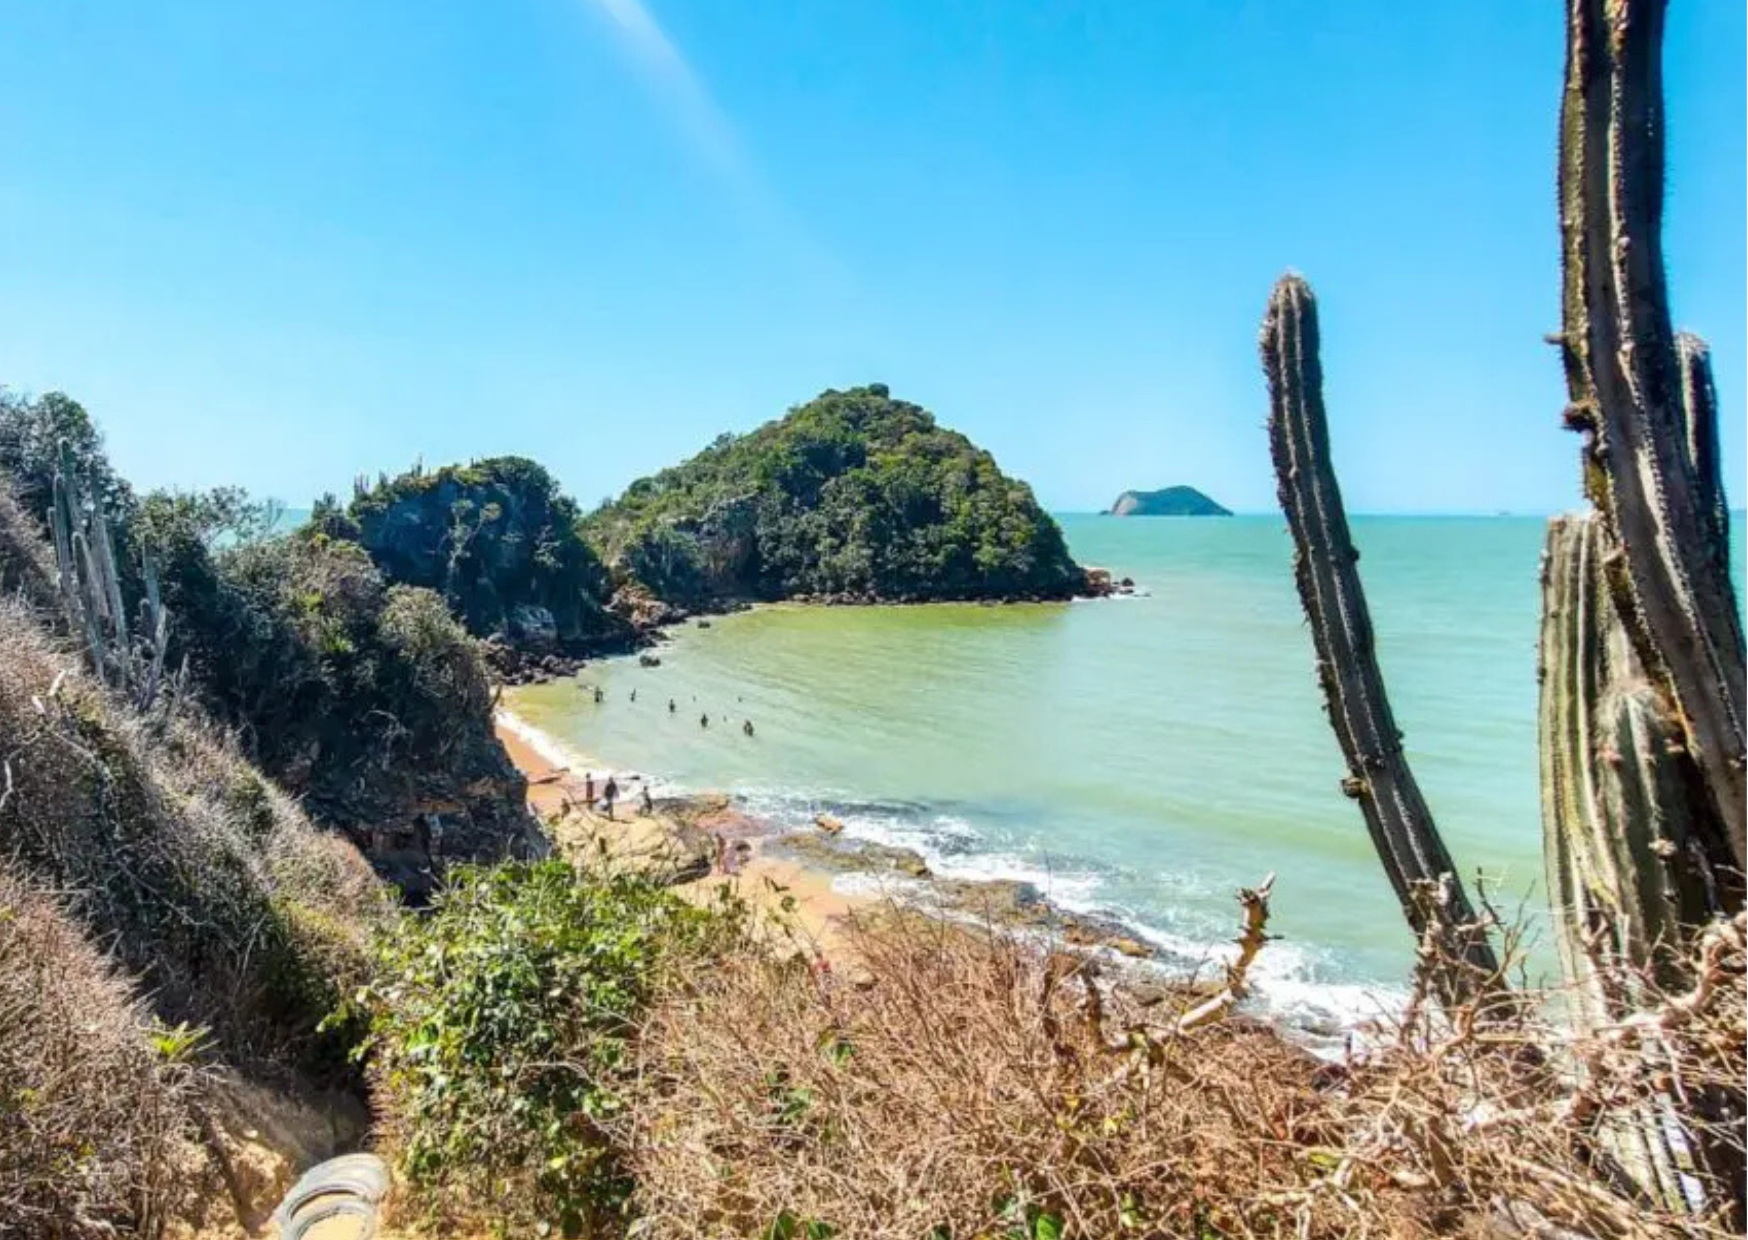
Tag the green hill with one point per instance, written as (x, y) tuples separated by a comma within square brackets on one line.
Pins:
[(853, 496)]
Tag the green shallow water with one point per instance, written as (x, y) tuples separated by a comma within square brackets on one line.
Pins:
[(1142, 756)]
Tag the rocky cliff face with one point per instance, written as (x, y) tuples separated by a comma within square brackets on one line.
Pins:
[(498, 540), (1168, 502)]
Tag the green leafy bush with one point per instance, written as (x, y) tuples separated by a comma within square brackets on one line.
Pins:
[(852, 494), (500, 1029)]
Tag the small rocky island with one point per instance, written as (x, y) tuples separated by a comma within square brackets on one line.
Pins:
[(1167, 502)]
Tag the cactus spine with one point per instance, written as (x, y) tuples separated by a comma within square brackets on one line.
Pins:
[(1379, 777), (1626, 385)]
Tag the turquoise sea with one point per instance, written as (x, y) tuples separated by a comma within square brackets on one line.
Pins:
[(1140, 757)]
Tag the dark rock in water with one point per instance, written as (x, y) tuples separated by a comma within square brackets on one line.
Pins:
[(648, 660), (1168, 502), (642, 610), (1005, 902), (842, 852), (532, 628), (704, 624)]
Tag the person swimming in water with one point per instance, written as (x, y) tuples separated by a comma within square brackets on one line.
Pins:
[(747, 727), (671, 706), (704, 720)]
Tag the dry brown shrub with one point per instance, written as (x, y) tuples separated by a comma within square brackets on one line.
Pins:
[(210, 885), (91, 1118), (26, 566), (973, 1086), (964, 1090)]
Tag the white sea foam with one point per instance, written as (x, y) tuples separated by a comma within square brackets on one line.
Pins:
[(1288, 981), (555, 751)]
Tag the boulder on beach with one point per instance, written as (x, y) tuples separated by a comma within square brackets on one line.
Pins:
[(828, 824)]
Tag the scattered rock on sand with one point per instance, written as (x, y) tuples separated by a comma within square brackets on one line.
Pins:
[(828, 824)]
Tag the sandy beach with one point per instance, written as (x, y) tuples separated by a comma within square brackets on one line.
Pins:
[(791, 900)]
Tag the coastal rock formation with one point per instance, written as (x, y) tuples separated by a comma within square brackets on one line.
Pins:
[(1167, 502), (852, 497), (498, 540), (361, 697)]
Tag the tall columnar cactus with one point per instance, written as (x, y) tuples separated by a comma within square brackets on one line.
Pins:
[(91, 591), (1623, 865), (1379, 777), (1626, 386), (1626, 876)]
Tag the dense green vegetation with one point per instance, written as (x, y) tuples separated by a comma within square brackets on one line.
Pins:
[(362, 696), (853, 494), (500, 1026), (498, 540)]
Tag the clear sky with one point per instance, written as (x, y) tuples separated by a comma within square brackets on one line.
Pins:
[(282, 244)]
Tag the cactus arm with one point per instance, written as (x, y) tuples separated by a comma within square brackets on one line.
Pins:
[(109, 576), (1699, 410), (1379, 777), (1624, 383)]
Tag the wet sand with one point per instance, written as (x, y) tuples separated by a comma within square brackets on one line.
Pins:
[(792, 902)]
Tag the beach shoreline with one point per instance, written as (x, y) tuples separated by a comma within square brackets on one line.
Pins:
[(805, 900), (818, 878)]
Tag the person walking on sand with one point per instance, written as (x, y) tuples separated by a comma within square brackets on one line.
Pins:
[(610, 794)]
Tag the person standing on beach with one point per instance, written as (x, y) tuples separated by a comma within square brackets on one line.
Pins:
[(610, 794), (589, 788), (648, 801)]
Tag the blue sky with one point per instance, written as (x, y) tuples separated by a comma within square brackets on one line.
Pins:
[(284, 244)]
